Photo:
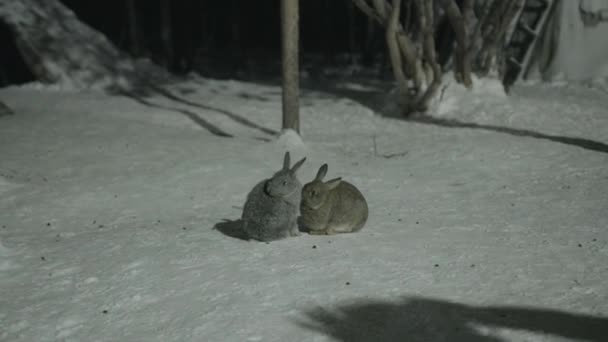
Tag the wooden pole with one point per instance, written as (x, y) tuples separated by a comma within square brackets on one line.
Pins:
[(290, 42)]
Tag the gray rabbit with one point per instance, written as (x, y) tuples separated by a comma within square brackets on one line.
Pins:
[(332, 207), (271, 210)]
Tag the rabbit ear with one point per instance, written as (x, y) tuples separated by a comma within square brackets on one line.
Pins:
[(332, 183), (297, 165), (286, 161), (322, 172)]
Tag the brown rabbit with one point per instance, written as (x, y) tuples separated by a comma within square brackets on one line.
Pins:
[(332, 207)]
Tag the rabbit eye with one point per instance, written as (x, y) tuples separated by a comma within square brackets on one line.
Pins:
[(284, 183)]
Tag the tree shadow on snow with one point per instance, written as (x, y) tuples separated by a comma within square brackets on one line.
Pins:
[(232, 228), (242, 120), (451, 123), (375, 99), (421, 319), (197, 118), (248, 96), (191, 115)]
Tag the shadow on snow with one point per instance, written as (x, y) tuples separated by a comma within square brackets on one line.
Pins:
[(232, 228), (374, 99), (580, 142), (415, 319)]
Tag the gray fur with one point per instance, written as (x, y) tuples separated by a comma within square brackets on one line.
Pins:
[(272, 206), (332, 207)]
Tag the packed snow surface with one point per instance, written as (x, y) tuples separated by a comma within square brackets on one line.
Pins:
[(119, 217)]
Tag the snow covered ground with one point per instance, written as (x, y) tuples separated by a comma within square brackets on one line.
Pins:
[(486, 224)]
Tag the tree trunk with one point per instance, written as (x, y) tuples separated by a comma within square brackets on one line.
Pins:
[(166, 33), (478, 41), (367, 52), (492, 31), (426, 15), (462, 63), (290, 37), (133, 28), (328, 45), (393, 48), (58, 48), (351, 32), (380, 14), (205, 26), (237, 50)]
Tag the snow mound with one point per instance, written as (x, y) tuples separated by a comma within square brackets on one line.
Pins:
[(290, 140), (58, 87), (455, 97), (599, 82), (78, 83)]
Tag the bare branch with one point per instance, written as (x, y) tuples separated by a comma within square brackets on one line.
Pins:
[(369, 11), (393, 48), (406, 45), (468, 13), (407, 22), (382, 8), (463, 62), (475, 41), (514, 7), (425, 11), (408, 49), (499, 17)]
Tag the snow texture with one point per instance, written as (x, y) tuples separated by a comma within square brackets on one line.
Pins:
[(119, 218)]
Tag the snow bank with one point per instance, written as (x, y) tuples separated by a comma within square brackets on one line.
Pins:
[(58, 86), (290, 140), (455, 96)]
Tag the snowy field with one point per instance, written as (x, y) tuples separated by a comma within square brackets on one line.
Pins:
[(118, 217)]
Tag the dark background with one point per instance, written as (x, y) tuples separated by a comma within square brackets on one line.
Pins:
[(217, 38)]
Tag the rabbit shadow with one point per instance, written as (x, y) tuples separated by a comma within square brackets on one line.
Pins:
[(232, 228), (301, 227)]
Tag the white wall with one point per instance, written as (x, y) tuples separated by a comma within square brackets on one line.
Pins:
[(580, 52)]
